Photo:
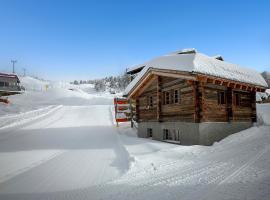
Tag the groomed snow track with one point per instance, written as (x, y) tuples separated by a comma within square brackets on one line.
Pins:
[(73, 147)]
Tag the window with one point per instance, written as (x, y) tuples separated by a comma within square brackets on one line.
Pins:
[(149, 132), (167, 98), (150, 101), (221, 98), (171, 134), (166, 134), (2, 84), (176, 135), (176, 96), (237, 99)]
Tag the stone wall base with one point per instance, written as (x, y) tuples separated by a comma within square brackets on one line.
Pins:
[(205, 133)]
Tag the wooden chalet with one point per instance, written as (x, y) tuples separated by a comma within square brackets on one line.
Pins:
[(189, 98)]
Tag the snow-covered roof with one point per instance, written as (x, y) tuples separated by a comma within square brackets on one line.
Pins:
[(12, 76), (194, 62)]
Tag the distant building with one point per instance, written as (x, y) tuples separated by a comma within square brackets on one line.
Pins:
[(266, 76), (190, 98), (9, 84)]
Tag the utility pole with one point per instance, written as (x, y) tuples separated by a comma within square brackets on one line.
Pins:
[(24, 71), (13, 66)]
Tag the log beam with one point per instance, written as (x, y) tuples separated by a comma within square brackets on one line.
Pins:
[(227, 83)]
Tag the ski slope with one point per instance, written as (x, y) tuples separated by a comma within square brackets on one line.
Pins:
[(63, 144)]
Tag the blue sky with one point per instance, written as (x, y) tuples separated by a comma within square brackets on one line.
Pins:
[(66, 40)]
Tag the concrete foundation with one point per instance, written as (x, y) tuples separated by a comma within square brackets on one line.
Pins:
[(211, 132), (205, 133)]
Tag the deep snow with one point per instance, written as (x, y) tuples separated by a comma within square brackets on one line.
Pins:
[(69, 148)]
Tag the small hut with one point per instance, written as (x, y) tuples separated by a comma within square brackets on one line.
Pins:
[(9, 84)]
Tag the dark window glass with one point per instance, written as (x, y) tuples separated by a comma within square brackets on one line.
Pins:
[(151, 101), (221, 98), (237, 99), (2, 84), (150, 132), (167, 135), (176, 96)]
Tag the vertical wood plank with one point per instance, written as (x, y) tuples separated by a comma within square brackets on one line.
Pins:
[(196, 102), (203, 102), (229, 101), (159, 98), (137, 109), (253, 106)]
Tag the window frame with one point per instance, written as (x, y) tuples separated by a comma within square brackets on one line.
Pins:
[(149, 132), (176, 91), (221, 97), (150, 101), (165, 134), (167, 98), (237, 99)]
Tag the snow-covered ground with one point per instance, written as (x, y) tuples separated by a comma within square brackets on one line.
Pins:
[(63, 144), (262, 95), (57, 93)]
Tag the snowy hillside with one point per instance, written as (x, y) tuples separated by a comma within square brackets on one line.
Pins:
[(34, 84), (39, 94)]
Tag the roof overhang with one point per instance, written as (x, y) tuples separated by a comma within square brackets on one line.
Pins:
[(230, 83)]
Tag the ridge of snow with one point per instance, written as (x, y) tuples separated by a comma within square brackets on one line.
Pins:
[(23, 118)]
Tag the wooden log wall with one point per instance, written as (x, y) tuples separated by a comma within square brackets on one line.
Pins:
[(183, 110), (211, 109), (198, 102), (148, 113), (243, 111)]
